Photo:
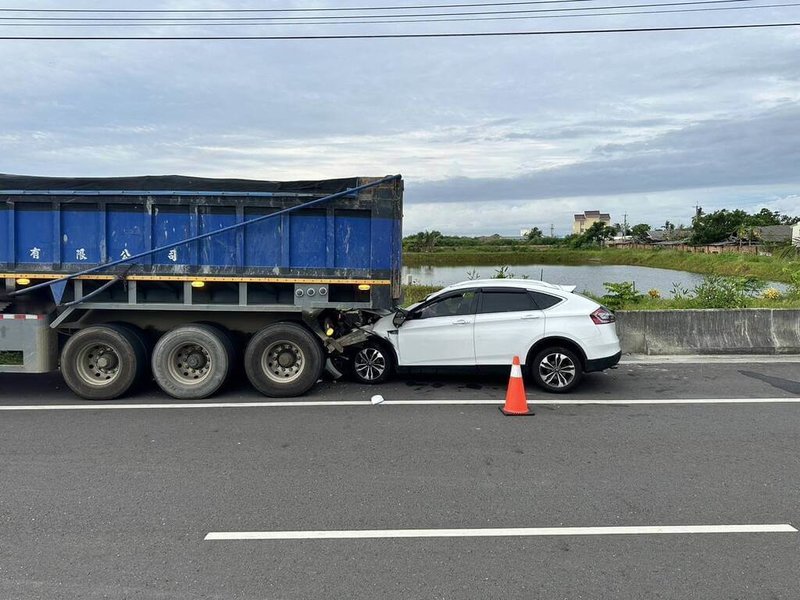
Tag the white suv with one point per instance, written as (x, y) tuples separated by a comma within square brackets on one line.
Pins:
[(558, 334)]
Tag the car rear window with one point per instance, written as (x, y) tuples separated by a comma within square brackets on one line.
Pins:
[(544, 301), (495, 302)]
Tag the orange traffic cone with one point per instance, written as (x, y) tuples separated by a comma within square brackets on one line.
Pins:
[(516, 402)]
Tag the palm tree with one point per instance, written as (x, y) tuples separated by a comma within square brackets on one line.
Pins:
[(429, 240)]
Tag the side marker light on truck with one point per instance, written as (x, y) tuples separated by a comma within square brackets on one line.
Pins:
[(198, 284), (23, 281), (364, 287)]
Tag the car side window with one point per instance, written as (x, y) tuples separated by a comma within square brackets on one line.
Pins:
[(544, 301), (452, 305), (505, 301)]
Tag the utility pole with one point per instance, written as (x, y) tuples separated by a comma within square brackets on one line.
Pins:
[(551, 230), (625, 224)]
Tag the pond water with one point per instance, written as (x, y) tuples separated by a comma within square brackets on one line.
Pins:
[(585, 277)]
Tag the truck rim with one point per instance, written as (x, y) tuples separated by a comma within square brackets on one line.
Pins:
[(190, 364), (283, 362), (370, 364), (557, 370), (98, 364)]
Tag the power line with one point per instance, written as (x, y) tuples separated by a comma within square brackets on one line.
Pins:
[(514, 18), (274, 10), (401, 35), (305, 18)]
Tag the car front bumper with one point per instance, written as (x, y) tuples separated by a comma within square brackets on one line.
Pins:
[(601, 364)]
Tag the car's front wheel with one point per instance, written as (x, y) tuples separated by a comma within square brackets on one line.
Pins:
[(556, 370), (372, 364)]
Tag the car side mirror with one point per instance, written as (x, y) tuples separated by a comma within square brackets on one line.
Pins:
[(399, 318)]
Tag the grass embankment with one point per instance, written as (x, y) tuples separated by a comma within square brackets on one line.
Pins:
[(767, 268), (689, 304), (417, 293)]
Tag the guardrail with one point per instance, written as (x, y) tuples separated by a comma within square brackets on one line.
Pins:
[(710, 331)]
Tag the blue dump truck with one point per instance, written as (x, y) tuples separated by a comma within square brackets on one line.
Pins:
[(188, 280)]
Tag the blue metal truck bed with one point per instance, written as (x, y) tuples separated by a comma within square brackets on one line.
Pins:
[(55, 226)]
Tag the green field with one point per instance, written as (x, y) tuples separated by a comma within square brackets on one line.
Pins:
[(10, 358), (767, 268)]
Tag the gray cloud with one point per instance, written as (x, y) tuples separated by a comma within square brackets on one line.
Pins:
[(764, 149), (521, 120)]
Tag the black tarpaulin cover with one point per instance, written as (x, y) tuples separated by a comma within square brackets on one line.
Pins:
[(153, 183)]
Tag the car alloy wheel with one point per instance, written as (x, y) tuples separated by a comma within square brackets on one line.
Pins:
[(557, 370), (370, 364)]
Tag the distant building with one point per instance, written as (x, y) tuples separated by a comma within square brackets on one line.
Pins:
[(779, 234), (583, 221), (665, 236)]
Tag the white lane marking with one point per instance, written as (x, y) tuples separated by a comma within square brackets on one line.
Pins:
[(367, 403), (731, 359), (507, 532)]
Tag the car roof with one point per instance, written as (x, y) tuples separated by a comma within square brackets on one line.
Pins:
[(527, 284)]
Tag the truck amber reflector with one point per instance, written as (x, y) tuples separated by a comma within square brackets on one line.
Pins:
[(364, 287), (198, 284), (23, 281)]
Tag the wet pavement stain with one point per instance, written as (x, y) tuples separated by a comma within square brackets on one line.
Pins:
[(787, 385)]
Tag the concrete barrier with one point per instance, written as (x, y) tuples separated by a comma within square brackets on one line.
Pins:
[(713, 331)]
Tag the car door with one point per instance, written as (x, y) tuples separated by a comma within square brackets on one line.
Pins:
[(507, 324), (439, 332)]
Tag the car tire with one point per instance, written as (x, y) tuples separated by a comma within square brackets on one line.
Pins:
[(192, 362), (556, 369), (372, 364), (284, 360), (103, 362)]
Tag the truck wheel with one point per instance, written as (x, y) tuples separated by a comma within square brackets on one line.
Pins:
[(192, 362), (145, 348), (102, 362), (556, 370), (283, 360), (372, 364)]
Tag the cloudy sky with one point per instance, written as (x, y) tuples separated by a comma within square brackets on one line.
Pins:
[(492, 134)]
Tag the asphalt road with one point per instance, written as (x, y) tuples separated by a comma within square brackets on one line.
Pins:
[(117, 503)]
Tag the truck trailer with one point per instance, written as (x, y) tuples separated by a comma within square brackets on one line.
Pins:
[(189, 280)]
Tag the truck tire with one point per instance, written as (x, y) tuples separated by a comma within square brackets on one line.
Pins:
[(192, 362), (145, 348), (556, 370), (283, 360), (103, 362), (234, 346), (372, 363)]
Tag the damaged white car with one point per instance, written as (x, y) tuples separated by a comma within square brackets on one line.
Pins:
[(558, 335)]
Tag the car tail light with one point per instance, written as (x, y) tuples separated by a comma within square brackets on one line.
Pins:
[(602, 316)]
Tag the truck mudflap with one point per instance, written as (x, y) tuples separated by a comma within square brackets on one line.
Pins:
[(27, 344)]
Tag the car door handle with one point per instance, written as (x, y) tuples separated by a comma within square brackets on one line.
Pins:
[(461, 322), (529, 317)]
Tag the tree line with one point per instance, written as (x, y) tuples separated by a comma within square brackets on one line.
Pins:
[(707, 228)]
